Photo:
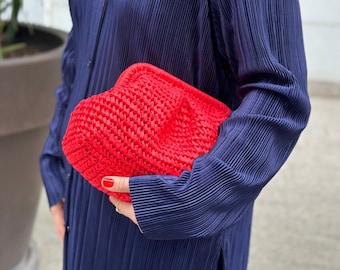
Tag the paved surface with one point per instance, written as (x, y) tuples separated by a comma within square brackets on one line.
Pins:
[(297, 216)]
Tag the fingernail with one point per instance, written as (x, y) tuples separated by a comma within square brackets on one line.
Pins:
[(107, 182)]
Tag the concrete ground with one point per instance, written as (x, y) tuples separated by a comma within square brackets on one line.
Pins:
[(297, 216)]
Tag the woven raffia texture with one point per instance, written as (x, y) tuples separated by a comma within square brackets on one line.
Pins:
[(150, 122)]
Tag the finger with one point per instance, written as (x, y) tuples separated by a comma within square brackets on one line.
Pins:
[(59, 225), (58, 218), (116, 183), (124, 208), (60, 228)]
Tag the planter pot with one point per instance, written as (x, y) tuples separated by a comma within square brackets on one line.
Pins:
[(27, 102)]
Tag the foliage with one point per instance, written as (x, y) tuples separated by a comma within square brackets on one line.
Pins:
[(8, 29)]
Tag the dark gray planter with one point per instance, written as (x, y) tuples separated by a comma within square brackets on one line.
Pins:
[(27, 102)]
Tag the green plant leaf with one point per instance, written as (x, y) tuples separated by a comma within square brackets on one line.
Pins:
[(9, 35)]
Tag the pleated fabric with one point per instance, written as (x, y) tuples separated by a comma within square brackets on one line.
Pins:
[(249, 54)]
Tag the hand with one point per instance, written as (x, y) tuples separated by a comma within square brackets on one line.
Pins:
[(57, 211), (120, 184)]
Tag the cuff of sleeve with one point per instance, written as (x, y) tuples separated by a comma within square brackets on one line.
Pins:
[(54, 181), (146, 196)]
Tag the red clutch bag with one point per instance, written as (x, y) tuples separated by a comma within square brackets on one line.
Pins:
[(150, 122)]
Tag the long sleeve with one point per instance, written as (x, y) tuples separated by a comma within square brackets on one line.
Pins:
[(51, 160), (262, 41)]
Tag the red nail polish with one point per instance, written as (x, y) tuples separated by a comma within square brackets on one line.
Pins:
[(107, 183)]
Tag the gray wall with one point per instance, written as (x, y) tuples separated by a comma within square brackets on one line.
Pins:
[(321, 25)]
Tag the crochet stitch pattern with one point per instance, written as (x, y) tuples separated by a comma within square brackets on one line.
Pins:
[(150, 122)]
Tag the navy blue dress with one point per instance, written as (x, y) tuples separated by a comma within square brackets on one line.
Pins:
[(247, 53)]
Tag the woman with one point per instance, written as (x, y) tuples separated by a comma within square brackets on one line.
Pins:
[(247, 53)]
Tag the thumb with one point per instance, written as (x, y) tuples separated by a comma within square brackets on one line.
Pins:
[(116, 183)]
